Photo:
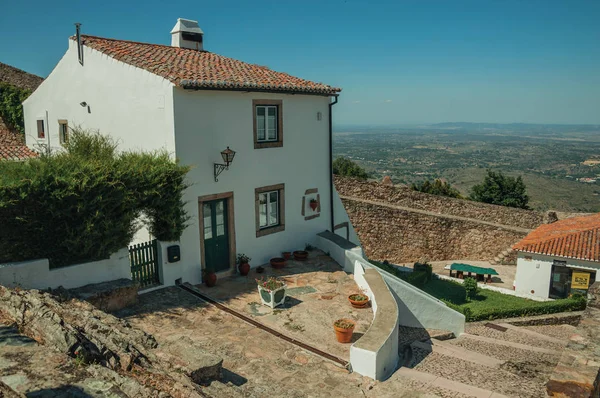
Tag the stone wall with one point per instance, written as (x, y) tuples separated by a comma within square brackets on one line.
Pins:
[(405, 197), (404, 236)]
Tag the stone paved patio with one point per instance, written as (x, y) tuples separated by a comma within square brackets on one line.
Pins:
[(317, 291)]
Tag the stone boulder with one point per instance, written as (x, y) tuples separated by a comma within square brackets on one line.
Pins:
[(109, 296)]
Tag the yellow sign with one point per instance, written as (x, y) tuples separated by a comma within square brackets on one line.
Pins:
[(580, 280)]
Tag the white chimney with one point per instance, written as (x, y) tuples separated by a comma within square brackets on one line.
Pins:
[(187, 34)]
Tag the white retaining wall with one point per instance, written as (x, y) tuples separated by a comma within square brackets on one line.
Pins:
[(36, 274)]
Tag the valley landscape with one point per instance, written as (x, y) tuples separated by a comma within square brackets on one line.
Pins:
[(560, 164)]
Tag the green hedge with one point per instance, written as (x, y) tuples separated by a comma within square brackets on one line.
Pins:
[(575, 303), (11, 110), (416, 278), (82, 204)]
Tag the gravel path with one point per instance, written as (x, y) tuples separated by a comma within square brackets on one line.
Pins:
[(513, 336), (503, 381), (504, 352)]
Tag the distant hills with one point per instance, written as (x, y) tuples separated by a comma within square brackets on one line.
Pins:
[(472, 127)]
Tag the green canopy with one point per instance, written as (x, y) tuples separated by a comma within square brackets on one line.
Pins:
[(473, 269)]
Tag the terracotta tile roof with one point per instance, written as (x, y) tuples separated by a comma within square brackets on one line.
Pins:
[(12, 146), (202, 69), (577, 237)]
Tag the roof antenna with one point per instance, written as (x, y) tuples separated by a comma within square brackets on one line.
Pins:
[(79, 46)]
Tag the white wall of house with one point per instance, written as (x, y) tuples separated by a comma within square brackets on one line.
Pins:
[(132, 105), (206, 122), (533, 276)]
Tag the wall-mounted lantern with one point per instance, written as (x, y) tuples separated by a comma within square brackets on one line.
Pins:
[(227, 156)]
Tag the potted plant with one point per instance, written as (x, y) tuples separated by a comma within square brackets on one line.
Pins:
[(300, 255), (271, 291), (277, 262), (286, 255), (359, 300), (344, 329), (313, 204), (243, 264), (209, 277)]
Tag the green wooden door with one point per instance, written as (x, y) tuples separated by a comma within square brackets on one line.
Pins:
[(216, 235)]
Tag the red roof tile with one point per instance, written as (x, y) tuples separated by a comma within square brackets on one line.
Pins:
[(577, 237), (202, 69), (12, 146)]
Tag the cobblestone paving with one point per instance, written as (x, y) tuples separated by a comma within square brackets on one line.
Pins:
[(511, 335), (563, 332)]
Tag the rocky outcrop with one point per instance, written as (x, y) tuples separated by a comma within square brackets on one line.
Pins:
[(108, 296), (111, 349)]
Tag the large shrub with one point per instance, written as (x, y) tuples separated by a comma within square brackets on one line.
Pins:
[(502, 190), (437, 187), (345, 167), (82, 204)]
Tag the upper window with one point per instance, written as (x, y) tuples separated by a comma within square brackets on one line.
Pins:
[(41, 131), (270, 209), (63, 131), (268, 123)]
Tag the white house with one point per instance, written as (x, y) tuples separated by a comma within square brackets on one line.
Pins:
[(195, 104), (559, 259)]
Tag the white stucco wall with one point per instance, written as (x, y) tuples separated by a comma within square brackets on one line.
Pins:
[(206, 122), (36, 274), (130, 104), (533, 276)]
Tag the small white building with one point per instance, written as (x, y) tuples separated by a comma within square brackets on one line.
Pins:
[(195, 104), (558, 259)]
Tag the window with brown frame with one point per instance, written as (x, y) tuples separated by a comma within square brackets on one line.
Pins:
[(267, 117), (270, 209), (63, 131), (41, 131)]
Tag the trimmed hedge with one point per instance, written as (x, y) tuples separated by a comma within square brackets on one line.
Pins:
[(575, 303), (82, 204), (416, 278)]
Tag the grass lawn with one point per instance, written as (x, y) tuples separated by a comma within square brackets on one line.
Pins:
[(487, 304)]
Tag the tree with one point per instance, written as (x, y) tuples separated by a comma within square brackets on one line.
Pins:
[(502, 190), (345, 167), (438, 187), (471, 288), (11, 110)]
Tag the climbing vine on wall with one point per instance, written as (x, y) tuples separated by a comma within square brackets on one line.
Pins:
[(11, 110)]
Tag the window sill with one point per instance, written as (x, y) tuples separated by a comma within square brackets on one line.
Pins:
[(270, 230), (268, 144)]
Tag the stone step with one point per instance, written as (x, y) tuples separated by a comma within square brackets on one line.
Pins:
[(441, 382), (448, 349), (532, 333), (508, 344)]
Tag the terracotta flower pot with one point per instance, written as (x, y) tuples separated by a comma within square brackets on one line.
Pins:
[(359, 300), (244, 269), (287, 255), (344, 334), (277, 262), (313, 205), (210, 278), (300, 255)]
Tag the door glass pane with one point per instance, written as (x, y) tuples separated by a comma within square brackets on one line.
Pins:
[(220, 218), (206, 212), (262, 209), (260, 123), (273, 208)]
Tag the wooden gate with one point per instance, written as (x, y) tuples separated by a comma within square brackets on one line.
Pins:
[(143, 258)]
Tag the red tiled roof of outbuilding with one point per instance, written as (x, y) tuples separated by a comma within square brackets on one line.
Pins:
[(194, 69), (577, 237)]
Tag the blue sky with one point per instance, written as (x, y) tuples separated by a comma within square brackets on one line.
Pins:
[(398, 62)]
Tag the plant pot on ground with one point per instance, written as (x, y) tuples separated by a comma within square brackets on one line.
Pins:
[(260, 269), (359, 300), (271, 291), (344, 329), (278, 262), (209, 277), (243, 264), (286, 255), (300, 255)]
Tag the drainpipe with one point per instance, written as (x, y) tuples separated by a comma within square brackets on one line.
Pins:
[(331, 188)]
